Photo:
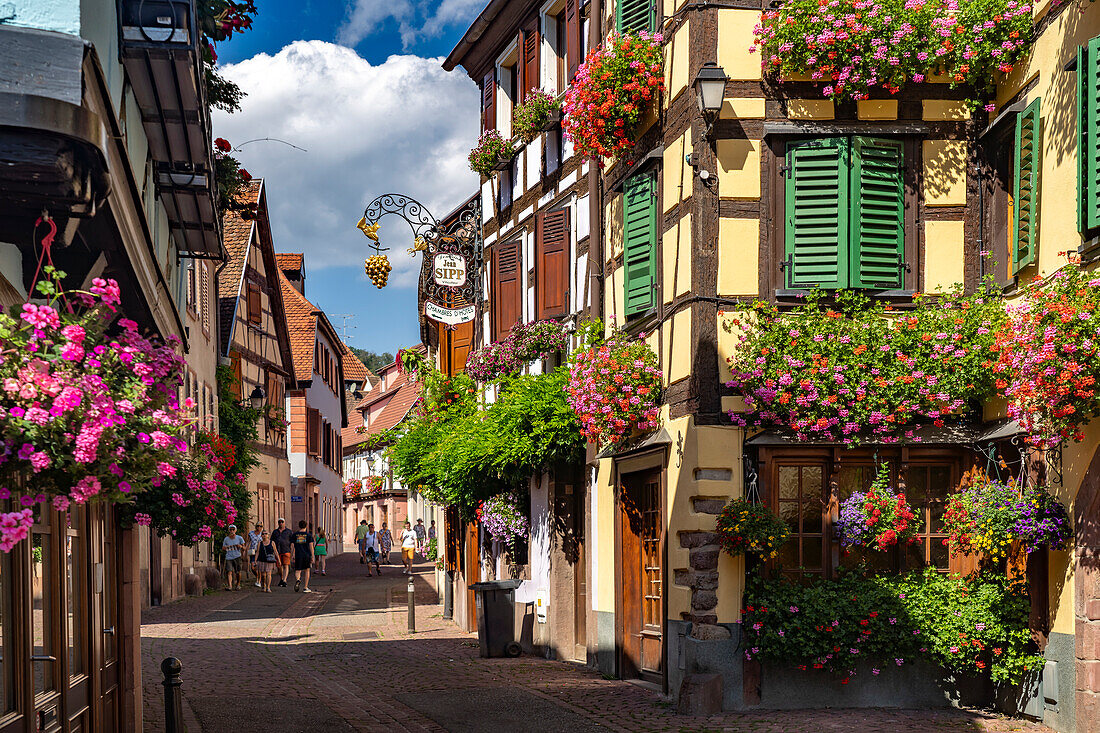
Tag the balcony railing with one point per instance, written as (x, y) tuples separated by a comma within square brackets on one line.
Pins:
[(163, 59)]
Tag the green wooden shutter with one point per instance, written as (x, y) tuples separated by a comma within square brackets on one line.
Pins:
[(1088, 136), (634, 15), (1026, 189), (878, 214), (640, 243), (817, 196)]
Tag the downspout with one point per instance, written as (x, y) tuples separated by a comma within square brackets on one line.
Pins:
[(595, 208)]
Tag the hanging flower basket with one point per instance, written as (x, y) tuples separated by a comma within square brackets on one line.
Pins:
[(190, 505), (615, 86), (503, 518), (526, 342), (745, 527), (537, 113), (877, 519), (615, 389), (1049, 356), (84, 415), (493, 153)]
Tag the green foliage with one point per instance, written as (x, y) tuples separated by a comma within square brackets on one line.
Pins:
[(533, 114), (237, 424), (744, 527), (457, 454), (490, 149), (372, 360), (977, 624)]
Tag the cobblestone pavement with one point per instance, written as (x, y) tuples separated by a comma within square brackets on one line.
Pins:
[(341, 660)]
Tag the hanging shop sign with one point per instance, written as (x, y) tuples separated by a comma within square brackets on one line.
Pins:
[(449, 316), (449, 270)]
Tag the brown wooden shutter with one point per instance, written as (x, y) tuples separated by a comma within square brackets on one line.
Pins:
[(313, 431), (530, 58), (205, 302), (572, 38), (552, 263), (507, 294), (235, 388), (488, 102), (254, 305)]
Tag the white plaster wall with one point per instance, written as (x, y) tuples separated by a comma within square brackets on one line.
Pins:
[(539, 545)]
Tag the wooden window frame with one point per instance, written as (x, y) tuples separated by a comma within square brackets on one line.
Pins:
[(773, 235), (832, 461)]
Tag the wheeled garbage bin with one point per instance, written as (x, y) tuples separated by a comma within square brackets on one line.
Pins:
[(496, 600)]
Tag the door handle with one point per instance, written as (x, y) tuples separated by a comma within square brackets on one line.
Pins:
[(109, 630), (43, 658)]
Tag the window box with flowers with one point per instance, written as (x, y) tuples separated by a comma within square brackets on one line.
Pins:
[(855, 48), (616, 86), (492, 153), (525, 343), (88, 407), (540, 111)]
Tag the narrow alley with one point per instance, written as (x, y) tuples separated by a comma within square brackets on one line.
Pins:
[(341, 659)]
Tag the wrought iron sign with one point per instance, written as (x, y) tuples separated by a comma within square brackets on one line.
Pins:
[(453, 253)]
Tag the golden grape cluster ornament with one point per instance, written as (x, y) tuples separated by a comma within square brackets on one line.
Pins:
[(378, 269), (377, 266)]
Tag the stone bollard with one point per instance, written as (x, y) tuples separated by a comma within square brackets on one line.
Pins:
[(412, 606), (173, 695)]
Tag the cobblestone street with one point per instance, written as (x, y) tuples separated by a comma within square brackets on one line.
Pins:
[(341, 660)]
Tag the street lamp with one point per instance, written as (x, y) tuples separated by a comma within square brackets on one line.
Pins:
[(256, 399), (710, 88)]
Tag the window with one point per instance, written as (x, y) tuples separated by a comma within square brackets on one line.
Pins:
[(845, 213), (205, 307), (552, 263), (1026, 191), (192, 289), (999, 153), (488, 102), (572, 38), (798, 487), (255, 304), (313, 432), (640, 244), (635, 15), (1088, 145)]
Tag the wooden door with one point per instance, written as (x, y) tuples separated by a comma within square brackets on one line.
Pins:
[(642, 622), (473, 575), (580, 579)]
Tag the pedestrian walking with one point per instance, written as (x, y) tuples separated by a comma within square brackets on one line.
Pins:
[(282, 539), (385, 539), (320, 551), (266, 559), (360, 538), (421, 535), (373, 547), (232, 545), (432, 533), (254, 540), (408, 547), (303, 557)]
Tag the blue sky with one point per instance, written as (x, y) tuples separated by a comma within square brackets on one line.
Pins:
[(358, 85)]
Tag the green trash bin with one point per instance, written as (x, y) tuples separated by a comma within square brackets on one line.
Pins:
[(496, 600)]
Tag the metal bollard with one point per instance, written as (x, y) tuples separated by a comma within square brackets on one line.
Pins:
[(173, 695), (412, 606)]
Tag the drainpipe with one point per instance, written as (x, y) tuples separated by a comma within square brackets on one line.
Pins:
[(595, 208)]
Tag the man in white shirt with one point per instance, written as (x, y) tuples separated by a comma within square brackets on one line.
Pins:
[(408, 547), (370, 542)]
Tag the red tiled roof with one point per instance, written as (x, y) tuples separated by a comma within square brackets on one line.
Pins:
[(290, 260), (236, 233), (401, 398), (354, 369), (301, 322)]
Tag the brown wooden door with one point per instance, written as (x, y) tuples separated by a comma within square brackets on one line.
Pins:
[(473, 575), (642, 621)]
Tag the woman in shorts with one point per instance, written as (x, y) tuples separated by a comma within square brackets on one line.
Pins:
[(408, 548), (320, 551), (266, 559)]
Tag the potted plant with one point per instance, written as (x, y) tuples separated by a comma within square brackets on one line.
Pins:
[(745, 527), (503, 519), (539, 111), (854, 48), (617, 84), (492, 153), (615, 389), (878, 518)]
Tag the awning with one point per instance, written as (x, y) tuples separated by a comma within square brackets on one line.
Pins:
[(653, 440), (928, 434)]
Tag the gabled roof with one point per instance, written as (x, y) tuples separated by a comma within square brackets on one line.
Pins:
[(402, 397), (290, 260), (240, 234), (354, 369), (301, 321)]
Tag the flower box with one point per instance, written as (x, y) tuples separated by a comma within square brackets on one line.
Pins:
[(552, 121), (503, 164)]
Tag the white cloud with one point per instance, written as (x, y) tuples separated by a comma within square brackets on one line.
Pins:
[(416, 20), (402, 126)]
